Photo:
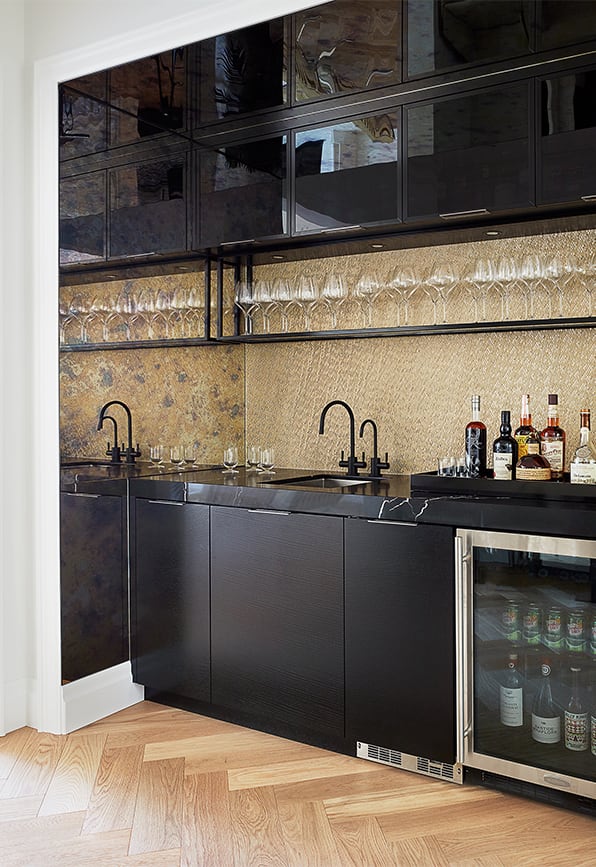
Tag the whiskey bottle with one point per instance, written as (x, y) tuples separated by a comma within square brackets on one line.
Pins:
[(525, 429), (511, 694), (552, 439), (576, 717), (475, 443), (505, 450), (533, 466), (546, 722), (583, 463)]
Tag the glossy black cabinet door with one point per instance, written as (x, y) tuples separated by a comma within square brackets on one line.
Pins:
[(242, 71), (277, 617), (567, 164), (170, 600), (346, 46), (400, 638), (346, 174), (93, 583), (469, 153), (83, 218), (148, 208), (446, 34), (242, 192), (83, 116), (147, 97), (565, 22)]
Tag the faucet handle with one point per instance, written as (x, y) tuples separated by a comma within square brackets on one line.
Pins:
[(376, 465)]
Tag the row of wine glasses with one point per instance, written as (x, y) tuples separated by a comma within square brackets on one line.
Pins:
[(529, 287), (180, 455), (259, 459), (144, 314)]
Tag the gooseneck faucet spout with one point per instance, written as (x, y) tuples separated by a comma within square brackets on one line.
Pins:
[(352, 463), (130, 452), (114, 452), (376, 464)]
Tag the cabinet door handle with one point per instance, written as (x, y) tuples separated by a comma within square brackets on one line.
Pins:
[(339, 229), (588, 198), (77, 494), (464, 721), (268, 512), (454, 215), (166, 502), (392, 523), (241, 241)]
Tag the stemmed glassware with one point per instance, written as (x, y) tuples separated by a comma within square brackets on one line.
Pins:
[(282, 295), (246, 302), (194, 315), (335, 292), (264, 301), (253, 457), (307, 298), (156, 455), (73, 320), (443, 280), (532, 275), (483, 279), (430, 290), (95, 320), (365, 291), (189, 454), (230, 460), (176, 455), (505, 278), (403, 284), (267, 461)]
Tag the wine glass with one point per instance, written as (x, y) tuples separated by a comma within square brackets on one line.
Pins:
[(403, 284), (244, 299), (307, 297), (267, 461), (443, 279), (230, 459), (282, 294), (335, 292), (365, 291), (483, 278), (176, 455), (194, 315), (156, 455), (189, 453), (253, 458), (264, 301)]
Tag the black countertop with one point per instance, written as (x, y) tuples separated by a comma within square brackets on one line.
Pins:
[(558, 509)]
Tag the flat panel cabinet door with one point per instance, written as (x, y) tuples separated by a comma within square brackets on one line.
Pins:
[(83, 218), (565, 22), (400, 638), (567, 167), (93, 584), (469, 153), (170, 602), (277, 617)]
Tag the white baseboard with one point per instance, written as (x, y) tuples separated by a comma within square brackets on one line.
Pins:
[(19, 700), (99, 695)]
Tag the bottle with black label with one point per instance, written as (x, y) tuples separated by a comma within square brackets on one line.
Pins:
[(505, 450), (552, 439), (475, 443)]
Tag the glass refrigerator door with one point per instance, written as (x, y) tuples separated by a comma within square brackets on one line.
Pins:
[(529, 658)]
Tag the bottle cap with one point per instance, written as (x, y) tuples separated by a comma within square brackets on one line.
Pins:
[(505, 416), (553, 399)]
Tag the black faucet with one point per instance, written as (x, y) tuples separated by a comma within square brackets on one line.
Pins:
[(115, 453), (352, 463), (376, 464)]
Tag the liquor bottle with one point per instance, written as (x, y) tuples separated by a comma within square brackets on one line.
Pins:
[(583, 463), (525, 429), (532, 466), (546, 722), (552, 439), (576, 717), (475, 443), (511, 694), (505, 450)]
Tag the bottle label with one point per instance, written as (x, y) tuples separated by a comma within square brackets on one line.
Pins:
[(532, 474), (502, 465), (511, 706), (552, 450), (576, 731), (546, 730), (583, 474), (522, 445)]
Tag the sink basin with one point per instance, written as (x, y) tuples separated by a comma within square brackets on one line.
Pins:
[(86, 462), (320, 481)]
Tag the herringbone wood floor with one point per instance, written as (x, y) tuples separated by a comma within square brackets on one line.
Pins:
[(156, 786)]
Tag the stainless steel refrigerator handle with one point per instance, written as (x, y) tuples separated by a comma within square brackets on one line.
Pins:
[(461, 631)]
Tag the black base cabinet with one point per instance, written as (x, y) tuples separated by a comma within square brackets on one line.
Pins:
[(277, 618), (400, 637), (93, 583), (170, 598)]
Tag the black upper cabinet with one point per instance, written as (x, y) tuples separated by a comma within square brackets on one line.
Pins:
[(242, 191), (346, 46), (148, 208), (83, 116), (565, 22), (567, 143), (448, 34), (148, 97), (241, 72), (346, 174), (469, 153), (83, 218)]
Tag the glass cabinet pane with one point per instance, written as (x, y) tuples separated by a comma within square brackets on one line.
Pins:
[(242, 71), (242, 191), (147, 96), (345, 46), (347, 174), (469, 153), (148, 208), (446, 34), (567, 168), (83, 113), (565, 22), (83, 218)]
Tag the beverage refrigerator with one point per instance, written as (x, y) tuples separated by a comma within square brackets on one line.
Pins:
[(527, 663)]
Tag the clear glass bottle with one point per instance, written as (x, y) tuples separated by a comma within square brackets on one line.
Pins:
[(526, 428), (505, 450), (511, 694), (583, 463), (552, 440), (576, 716), (475, 443), (546, 721)]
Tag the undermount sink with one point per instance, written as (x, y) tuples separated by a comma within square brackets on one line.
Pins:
[(86, 462), (320, 481)]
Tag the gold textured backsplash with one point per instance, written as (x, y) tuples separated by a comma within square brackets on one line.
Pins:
[(176, 395), (417, 389)]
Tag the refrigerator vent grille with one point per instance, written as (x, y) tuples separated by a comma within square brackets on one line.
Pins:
[(397, 759)]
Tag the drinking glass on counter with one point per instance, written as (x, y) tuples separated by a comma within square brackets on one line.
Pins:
[(230, 459), (253, 457), (189, 453), (176, 455), (156, 454), (267, 461)]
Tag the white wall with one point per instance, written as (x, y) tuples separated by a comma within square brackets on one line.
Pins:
[(43, 42)]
